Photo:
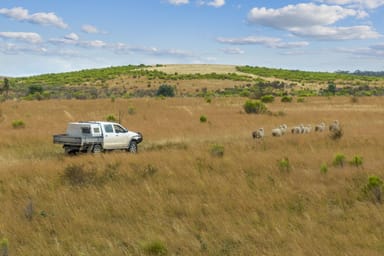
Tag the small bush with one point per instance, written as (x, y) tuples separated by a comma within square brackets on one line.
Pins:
[(300, 99), (165, 91), (131, 111), (111, 118), (339, 160), (268, 98), (354, 99), (255, 106), (324, 168), (286, 98), (357, 161), (284, 165), (4, 244), (373, 189), (217, 150), (203, 119), (17, 124), (157, 248), (76, 175)]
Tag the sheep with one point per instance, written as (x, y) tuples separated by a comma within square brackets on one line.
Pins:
[(283, 128), (297, 129), (320, 127), (335, 126), (277, 132), (258, 134), (306, 129)]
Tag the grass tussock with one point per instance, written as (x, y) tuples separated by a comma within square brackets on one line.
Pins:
[(194, 189)]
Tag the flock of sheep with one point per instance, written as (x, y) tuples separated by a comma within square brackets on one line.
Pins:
[(300, 129)]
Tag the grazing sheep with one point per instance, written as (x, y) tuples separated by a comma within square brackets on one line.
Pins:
[(335, 126), (277, 132), (306, 129), (258, 134), (297, 129), (320, 127), (283, 128)]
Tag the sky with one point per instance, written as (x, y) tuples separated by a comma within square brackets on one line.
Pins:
[(40, 36)]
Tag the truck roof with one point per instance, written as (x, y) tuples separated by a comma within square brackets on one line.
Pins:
[(93, 122)]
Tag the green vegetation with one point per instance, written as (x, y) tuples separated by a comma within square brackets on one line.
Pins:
[(217, 150), (255, 107), (203, 119), (166, 91), (373, 189), (17, 124), (339, 160)]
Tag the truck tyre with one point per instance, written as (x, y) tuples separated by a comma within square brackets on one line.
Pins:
[(132, 147), (97, 148)]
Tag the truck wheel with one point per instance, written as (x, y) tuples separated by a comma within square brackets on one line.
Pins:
[(97, 148), (132, 147)]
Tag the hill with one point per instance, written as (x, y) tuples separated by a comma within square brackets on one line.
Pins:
[(190, 80)]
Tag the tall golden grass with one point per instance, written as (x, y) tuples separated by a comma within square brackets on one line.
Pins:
[(176, 198)]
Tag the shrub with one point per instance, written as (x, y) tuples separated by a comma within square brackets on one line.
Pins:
[(357, 161), (255, 106), (17, 124), (166, 91), (111, 118), (284, 165), (76, 175), (373, 189), (4, 244), (339, 160), (300, 99), (286, 98), (131, 111), (203, 119), (155, 248), (217, 150), (268, 98), (324, 168)]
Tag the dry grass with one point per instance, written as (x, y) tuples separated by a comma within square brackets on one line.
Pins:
[(176, 194)]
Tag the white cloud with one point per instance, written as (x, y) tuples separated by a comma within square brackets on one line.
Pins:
[(72, 36), (311, 20), (337, 33), (364, 4), (270, 42), (42, 18), (299, 15), (15, 49), (233, 51), (216, 3), (90, 29), (22, 36), (178, 2)]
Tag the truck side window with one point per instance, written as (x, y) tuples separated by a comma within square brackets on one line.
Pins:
[(108, 128), (86, 130), (118, 129)]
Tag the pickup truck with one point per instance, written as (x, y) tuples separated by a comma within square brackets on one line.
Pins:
[(96, 137)]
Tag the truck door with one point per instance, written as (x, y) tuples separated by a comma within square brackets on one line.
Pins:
[(122, 135), (111, 139)]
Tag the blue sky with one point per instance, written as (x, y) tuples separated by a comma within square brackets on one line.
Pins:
[(38, 37)]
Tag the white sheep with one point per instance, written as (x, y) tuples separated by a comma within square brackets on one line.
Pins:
[(277, 132), (283, 128), (258, 134), (306, 129), (320, 127), (297, 129)]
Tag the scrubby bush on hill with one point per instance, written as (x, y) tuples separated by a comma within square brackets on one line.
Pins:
[(255, 106), (166, 91)]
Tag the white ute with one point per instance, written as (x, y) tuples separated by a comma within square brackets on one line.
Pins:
[(96, 137)]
